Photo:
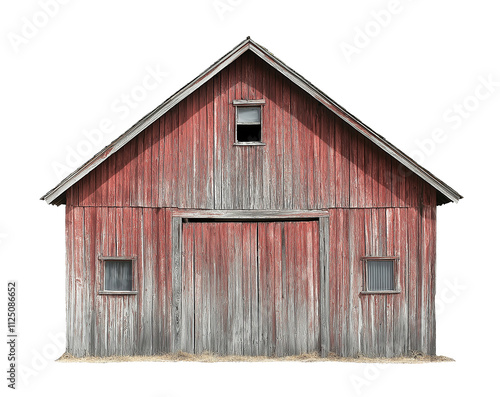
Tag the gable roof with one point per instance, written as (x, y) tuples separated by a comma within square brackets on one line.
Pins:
[(57, 194)]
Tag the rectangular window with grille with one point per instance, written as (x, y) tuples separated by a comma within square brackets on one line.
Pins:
[(380, 275), (117, 275)]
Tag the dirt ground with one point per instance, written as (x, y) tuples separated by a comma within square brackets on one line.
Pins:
[(415, 358)]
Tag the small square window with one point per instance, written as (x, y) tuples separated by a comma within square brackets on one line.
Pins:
[(380, 275), (248, 124), (118, 275)]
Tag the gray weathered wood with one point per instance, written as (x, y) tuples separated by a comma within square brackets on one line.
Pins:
[(176, 283), (324, 290), (249, 214), (249, 101)]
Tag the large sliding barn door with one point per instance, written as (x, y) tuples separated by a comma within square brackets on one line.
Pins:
[(250, 288)]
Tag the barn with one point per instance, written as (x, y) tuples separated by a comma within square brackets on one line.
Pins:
[(250, 214)]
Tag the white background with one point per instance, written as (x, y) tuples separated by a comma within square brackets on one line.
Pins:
[(62, 74)]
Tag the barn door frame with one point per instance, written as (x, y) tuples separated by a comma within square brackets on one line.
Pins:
[(180, 216)]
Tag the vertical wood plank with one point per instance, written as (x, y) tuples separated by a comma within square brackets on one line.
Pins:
[(288, 137), (300, 175), (237, 271), (353, 168), (368, 302), (281, 113), (163, 201), (79, 293), (194, 248), (362, 171), (397, 184), (111, 180), (324, 290), (70, 280), (345, 288), (176, 284), (374, 173), (98, 186), (425, 275), (246, 288), (225, 139), (385, 176), (111, 307), (218, 123), (209, 149), (171, 165), (197, 174), (187, 306), (87, 190), (333, 281), (254, 286), (215, 287), (140, 173), (400, 316), (184, 156), (155, 165), (269, 305), (90, 281), (121, 301), (343, 147), (269, 132), (119, 165), (390, 299), (208, 275), (100, 308), (300, 301), (368, 173), (262, 291), (413, 294), (431, 255), (134, 178), (159, 277), (278, 288), (125, 248), (356, 224)]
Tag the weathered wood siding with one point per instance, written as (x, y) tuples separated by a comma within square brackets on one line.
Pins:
[(371, 324), (100, 324), (250, 288), (311, 158), (383, 324)]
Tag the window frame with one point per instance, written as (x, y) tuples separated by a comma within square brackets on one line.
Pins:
[(249, 103), (102, 274), (395, 263)]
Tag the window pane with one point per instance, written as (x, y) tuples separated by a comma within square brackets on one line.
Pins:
[(249, 133), (249, 114), (118, 275), (380, 275)]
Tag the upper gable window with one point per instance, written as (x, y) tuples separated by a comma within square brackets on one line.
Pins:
[(248, 122)]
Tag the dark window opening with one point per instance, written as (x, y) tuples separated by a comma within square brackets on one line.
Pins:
[(118, 275), (248, 124), (248, 133)]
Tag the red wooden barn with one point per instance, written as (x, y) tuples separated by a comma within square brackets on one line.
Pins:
[(250, 214)]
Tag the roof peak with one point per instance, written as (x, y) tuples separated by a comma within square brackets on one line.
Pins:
[(56, 195)]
